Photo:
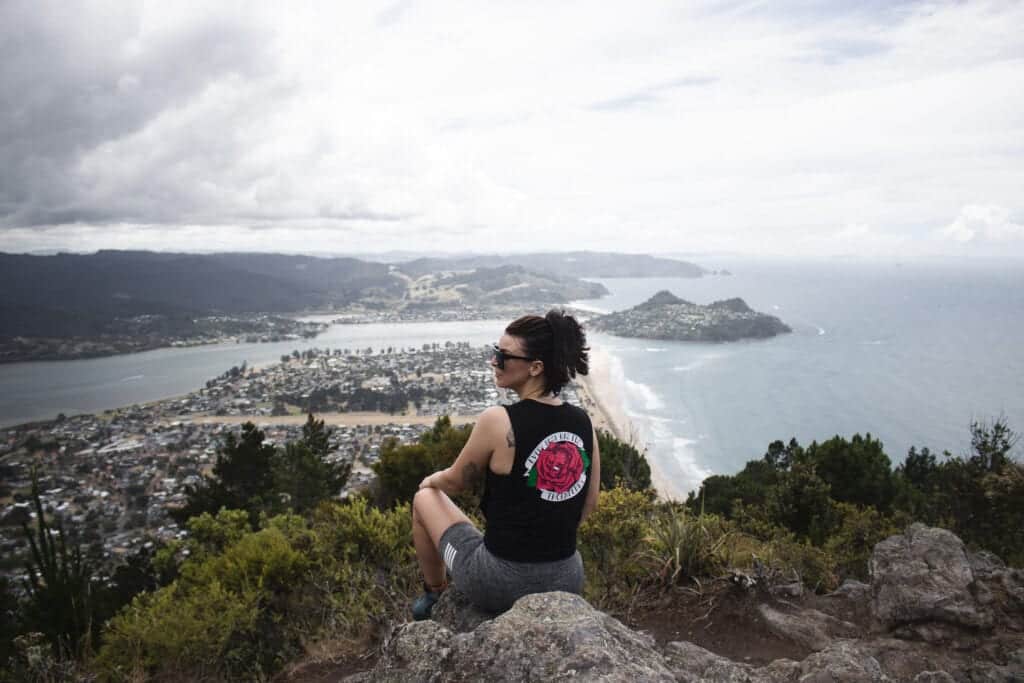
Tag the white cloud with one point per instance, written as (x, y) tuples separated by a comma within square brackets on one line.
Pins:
[(443, 125), (978, 223)]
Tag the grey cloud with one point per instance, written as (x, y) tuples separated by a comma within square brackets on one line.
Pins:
[(70, 82), (649, 95)]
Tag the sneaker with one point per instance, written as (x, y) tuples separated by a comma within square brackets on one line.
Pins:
[(424, 604)]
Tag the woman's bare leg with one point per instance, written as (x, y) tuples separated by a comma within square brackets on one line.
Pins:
[(432, 513)]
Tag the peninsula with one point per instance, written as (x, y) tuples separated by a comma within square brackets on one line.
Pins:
[(666, 316)]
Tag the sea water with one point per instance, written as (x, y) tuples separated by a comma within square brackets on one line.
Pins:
[(911, 354)]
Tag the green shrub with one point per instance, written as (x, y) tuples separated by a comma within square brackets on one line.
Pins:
[(812, 566), (610, 542), (684, 546), (211, 534), (366, 564), (355, 531), (851, 545), (801, 503), (183, 633), (400, 469), (622, 464), (232, 613)]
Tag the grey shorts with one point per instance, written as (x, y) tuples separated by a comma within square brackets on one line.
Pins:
[(494, 584)]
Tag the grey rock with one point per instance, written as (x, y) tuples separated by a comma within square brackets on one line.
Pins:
[(693, 664), (903, 659), (543, 637), (807, 627), (984, 564), (924, 575), (934, 677), (787, 590), (854, 591), (456, 613), (417, 651), (843, 660)]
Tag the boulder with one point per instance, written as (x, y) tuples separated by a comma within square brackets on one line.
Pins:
[(545, 636), (454, 611), (842, 660), (807, 627), (693, 664), (934, 677), (925, 575)]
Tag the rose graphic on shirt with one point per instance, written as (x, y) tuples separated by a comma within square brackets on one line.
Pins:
[(558, 468)]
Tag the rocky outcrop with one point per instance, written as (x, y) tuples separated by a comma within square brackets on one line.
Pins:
[(924, 577), (544, 637), (933, 613)]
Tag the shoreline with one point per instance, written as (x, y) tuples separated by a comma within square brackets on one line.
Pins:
[(602, 401)]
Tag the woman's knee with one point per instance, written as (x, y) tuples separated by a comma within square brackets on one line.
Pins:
[(424, 501)]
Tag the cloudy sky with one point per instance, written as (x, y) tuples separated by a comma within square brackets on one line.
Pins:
[(858, 128)]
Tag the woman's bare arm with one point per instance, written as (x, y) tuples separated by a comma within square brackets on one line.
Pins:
[(472, 463)]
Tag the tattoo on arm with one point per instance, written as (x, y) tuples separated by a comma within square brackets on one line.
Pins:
[(470, 475), (510, 438)]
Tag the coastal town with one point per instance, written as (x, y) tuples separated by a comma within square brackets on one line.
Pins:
[(114, 477)]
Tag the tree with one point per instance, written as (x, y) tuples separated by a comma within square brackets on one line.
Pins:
[(801, 503), (857, 471), (242, 479), (400, 468), (719, 493), (302, 473), (316, 436), (991, 444), (622, 464), (780, 456)]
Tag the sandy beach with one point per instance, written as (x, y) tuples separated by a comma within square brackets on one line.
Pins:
[(600, 397)]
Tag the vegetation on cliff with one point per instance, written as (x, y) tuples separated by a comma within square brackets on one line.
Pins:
[(264, 578)]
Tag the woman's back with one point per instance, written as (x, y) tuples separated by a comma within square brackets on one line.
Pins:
[(533, 512)]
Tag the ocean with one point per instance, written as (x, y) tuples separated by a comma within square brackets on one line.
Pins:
[(911, 354), (908, 353)]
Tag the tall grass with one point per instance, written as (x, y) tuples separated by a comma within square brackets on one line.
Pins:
[(682, 546)]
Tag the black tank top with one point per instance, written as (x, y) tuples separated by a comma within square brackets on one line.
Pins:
[(532, 512)]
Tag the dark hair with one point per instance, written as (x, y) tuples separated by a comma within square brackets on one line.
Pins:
[(559, 341)]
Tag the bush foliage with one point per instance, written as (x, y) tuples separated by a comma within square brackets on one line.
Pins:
[(252, 585)]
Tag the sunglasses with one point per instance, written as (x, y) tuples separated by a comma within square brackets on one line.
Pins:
[(501, 356)]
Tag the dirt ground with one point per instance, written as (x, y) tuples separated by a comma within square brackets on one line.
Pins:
[(721, 618)]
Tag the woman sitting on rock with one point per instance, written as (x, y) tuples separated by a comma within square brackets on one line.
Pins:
[(541, 469)]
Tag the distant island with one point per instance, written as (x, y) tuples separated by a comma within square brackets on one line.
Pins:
[(666, 316)]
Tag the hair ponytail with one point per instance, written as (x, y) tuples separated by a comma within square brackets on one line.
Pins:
[(559, 341)]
